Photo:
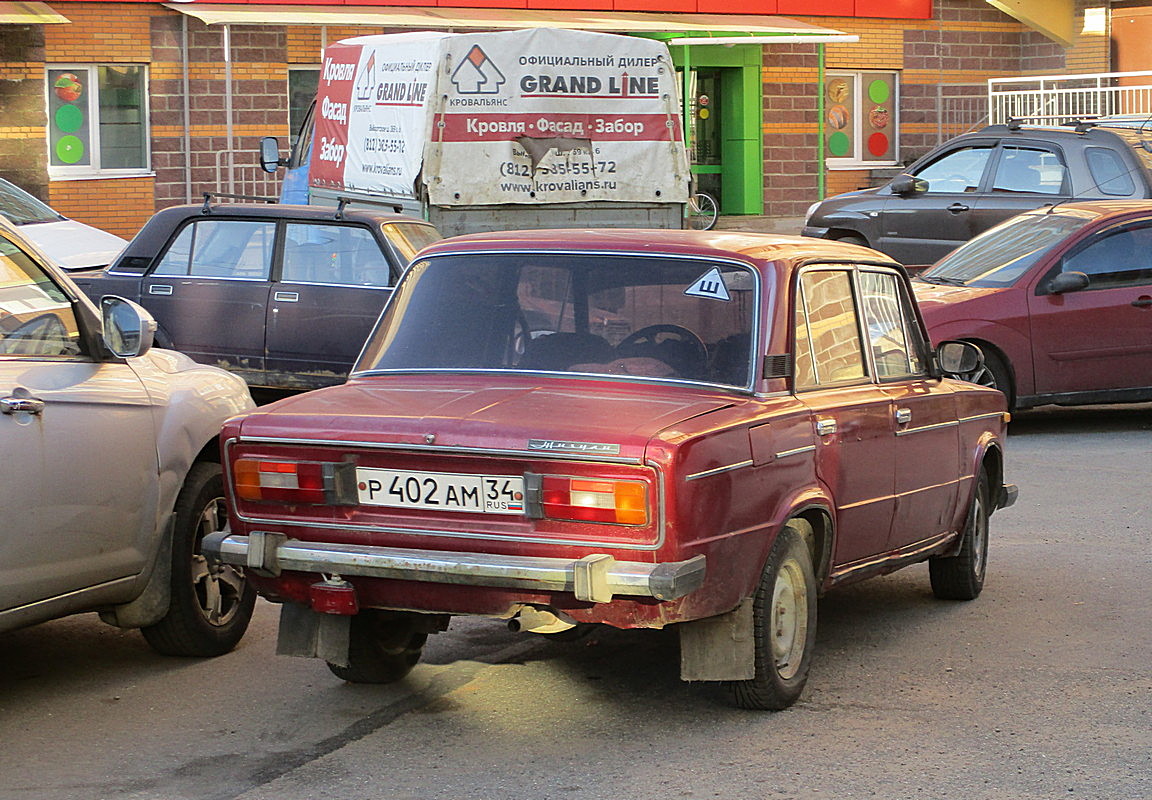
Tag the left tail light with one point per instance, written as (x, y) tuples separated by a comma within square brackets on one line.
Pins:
[(275, 481)]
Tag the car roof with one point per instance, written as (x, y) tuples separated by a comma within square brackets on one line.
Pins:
[(647, 241), (1086, 132)]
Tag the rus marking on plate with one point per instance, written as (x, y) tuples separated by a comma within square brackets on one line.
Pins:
[(558, 446)]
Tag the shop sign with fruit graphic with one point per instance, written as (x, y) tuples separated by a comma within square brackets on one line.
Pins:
[(68, 87)]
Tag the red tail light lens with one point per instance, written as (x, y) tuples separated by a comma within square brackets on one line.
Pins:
[(621, 502), (263, 480)]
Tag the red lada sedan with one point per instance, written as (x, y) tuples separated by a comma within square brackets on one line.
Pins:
[(632, 428), (1058, 299)]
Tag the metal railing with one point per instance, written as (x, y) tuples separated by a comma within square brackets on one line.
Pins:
[(238, 173), (1058, 98)]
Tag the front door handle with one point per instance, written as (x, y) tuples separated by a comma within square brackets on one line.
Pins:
[(903, 416), (21, 405), (1142, 302), (957, 208)]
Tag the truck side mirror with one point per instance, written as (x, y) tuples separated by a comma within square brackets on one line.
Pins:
[(1068, 282), (270, 154), (908, 184)]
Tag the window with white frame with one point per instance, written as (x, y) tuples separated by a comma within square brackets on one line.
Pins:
[(861, 128), (97, 120), (302, 85)]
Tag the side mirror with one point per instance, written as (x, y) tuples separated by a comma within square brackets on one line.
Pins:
[(957, 359), (270, 154), (128, 328), (1068, 282), (908, 184)]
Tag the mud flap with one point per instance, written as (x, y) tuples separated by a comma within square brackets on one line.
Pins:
[(719, 648), (308, 634)]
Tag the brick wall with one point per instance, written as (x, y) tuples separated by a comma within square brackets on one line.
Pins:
[(23, 152)]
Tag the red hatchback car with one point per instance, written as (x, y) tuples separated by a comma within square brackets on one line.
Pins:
[(633, 428), (1059, 300)]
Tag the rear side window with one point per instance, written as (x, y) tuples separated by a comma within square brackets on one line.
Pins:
[(1028, 170), (238, 249), (1109, 173)]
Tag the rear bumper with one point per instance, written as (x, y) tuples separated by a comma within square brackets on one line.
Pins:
[(594, 578)]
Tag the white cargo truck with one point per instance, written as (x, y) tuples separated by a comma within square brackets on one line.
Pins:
[(537, 128)]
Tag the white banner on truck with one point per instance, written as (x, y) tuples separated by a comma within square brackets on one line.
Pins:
[(523, 117)]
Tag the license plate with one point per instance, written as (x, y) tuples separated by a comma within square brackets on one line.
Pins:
[(440, 491)]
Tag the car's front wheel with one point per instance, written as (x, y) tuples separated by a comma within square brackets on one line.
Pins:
[(210, 605), (382, 648), (784, 626), (994, 372), (852, 238), (961, 577)]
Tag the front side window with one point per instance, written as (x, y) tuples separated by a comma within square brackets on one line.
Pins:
[(958, 171), (343, 254), (897, 348), (238, 249), (1119, 258), (97, 120), (36, 316), (302, 84), (830, 351), (623, 316), (1026, 170), (860, 119)]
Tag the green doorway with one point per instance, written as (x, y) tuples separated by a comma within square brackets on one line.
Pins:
[(723, 116)]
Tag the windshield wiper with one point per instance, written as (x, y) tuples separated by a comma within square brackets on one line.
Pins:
[(937, 279)]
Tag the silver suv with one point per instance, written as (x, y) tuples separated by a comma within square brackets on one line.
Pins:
[(111, 472)]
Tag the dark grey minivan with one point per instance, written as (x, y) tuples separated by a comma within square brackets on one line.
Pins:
[(282, 295), (975, 181)]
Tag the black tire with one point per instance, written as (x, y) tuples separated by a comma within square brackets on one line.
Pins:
[(853, 238), (210, 605), (383, 647), (961, 577), (784, 621), (703, 211)]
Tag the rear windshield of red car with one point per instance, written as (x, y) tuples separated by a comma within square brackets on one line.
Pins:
[(624, 316)]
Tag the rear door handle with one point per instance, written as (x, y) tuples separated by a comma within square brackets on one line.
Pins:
[(903, 416), (286, 297), (825, 427), (18, 405), (159, 288), (1142, 302), (957, 208)]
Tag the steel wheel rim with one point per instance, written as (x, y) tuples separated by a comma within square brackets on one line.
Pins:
[(979, 536), (788, 619), (218, 588)]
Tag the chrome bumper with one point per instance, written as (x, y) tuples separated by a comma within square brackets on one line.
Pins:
[(594, 578)]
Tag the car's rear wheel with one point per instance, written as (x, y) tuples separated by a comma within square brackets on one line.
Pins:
[(210, 605), (784, 623), (383, 647), (961, 577)]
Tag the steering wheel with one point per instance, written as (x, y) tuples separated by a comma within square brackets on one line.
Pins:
[(675, 345)]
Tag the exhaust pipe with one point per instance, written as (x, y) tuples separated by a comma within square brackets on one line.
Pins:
[(537, 620)]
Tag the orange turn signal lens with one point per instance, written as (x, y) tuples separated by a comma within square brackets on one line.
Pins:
[(262, 480)]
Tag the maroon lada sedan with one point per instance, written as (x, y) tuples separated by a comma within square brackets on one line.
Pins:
[(632, 428), (1058, 299)]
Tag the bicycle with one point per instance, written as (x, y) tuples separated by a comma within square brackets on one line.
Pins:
[(702, 211)]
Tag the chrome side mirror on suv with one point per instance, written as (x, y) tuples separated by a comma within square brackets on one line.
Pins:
[(128, 328)]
